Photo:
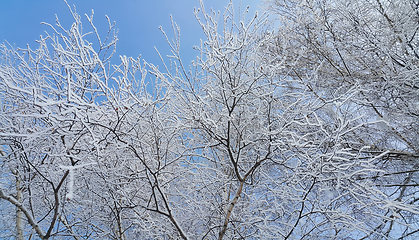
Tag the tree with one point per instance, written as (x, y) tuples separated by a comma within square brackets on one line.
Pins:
[(267, 135), (369, 45), (48, 98)]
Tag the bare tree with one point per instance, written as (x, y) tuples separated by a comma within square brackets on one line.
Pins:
[(370, 46), (276, 131), (48, 97)]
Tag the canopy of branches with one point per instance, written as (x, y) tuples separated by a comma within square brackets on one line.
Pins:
[(300, 124)]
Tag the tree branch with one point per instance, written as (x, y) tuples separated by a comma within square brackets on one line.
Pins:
[(29, 217)]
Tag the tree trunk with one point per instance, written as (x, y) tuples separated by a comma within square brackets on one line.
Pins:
[(19, 213)]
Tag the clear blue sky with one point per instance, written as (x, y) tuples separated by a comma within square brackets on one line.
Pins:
[(137, 21)]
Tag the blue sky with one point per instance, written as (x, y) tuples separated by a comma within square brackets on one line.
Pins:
[(138, 22)]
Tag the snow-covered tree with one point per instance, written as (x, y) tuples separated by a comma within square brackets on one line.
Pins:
[(370, 46), (300, 128)]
